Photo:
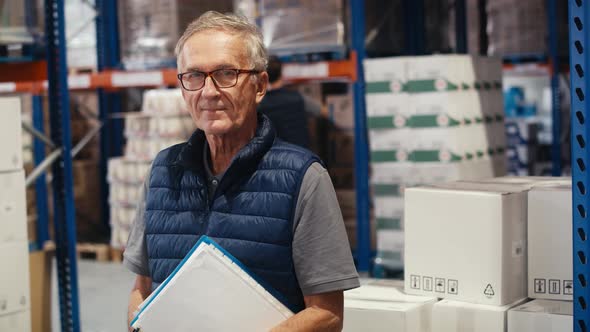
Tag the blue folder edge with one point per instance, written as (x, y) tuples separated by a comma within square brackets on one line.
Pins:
[(208, 240)]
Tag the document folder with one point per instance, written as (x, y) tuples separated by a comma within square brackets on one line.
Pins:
[(210, 290)]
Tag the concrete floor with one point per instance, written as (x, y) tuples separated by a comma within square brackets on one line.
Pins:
[(103, 291)]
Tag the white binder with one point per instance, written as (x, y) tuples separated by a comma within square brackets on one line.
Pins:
[(210, 290)]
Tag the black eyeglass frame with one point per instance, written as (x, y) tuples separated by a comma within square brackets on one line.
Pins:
[(210, 74)]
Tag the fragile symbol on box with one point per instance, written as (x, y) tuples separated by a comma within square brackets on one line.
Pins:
[(440, 285), (540, 286), (489, 291), (568, 287), (427, 283), (554, 286), (453, 286), (415, 281)]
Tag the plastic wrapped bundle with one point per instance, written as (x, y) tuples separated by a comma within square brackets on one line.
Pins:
[(17, 23), (302, 26), (517, 27), (149, 30)]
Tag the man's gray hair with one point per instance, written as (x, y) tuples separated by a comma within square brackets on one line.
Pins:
[(238, 24)]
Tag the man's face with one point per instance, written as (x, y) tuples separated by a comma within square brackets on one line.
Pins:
[(214, 110)]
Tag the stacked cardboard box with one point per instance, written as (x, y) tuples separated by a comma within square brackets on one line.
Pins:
[(430, 119), (541, 316), (14, 280), (381, 305), (467, 242), (162, 122)]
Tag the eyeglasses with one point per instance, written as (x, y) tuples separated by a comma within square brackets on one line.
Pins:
[(222, 78)]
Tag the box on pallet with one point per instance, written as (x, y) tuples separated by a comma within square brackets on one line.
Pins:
[(479, 232), (13, 215), (454, 316), (382, 306), (550, 221), (14, 280), (541, 316), (10, 134)]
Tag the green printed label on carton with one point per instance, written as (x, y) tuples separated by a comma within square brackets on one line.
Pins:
[(389, 223), (431, 120), (380, 122), (418, 86), (386, 122), (382, 156), (422, 156), (386, 189), (384, 87)]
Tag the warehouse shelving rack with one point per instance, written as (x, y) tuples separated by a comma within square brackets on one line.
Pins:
[(108, 81), (579, 20)]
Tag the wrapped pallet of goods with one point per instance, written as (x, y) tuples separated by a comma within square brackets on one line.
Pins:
[(162, 122), (430, 119)]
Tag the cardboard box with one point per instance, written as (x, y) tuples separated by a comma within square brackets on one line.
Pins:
[(550, 221), (16, 322), (13, 214), (40, 281), (454, 316), (541, 316), (466, 242), (11, 134), (382, 306), (14, 279)]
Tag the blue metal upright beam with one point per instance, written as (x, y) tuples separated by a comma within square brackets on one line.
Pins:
[(41, 182), (579, 24), (64, 214), (108, 56), (361, 152), (555, 97)]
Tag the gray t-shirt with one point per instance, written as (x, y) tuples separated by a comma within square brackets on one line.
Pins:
[(321, 252)]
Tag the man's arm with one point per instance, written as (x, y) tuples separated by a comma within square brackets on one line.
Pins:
[(323, 312), (141, 290)]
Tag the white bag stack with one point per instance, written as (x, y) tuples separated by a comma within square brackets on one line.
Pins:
[(14, 250), (162, 122)]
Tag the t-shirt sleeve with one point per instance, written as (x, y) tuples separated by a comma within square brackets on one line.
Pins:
[(135, 255), (321, 252)]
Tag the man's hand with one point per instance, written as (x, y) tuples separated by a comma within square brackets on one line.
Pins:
[(323, 312), (141, 290)]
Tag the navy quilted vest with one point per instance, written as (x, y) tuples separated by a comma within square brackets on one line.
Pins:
[(250, 214)]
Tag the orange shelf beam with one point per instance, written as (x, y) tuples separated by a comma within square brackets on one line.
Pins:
[(114, 79)]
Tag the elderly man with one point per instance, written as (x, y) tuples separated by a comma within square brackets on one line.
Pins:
[(269, 203)]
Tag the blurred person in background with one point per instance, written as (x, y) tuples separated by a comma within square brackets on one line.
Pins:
[(269, 203), (286, 109)]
